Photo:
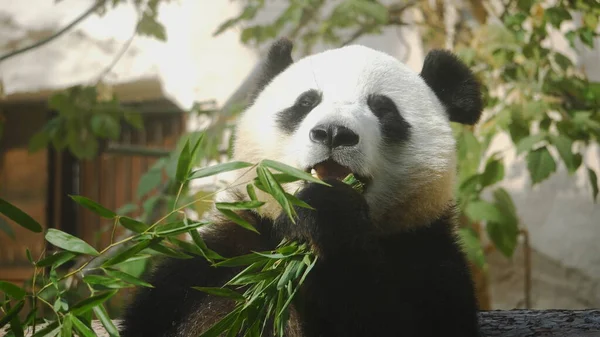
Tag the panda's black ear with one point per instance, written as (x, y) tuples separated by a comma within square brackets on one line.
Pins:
[(455, 86), (278, 59)]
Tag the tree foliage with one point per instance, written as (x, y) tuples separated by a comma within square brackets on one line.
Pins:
[(533, 92)]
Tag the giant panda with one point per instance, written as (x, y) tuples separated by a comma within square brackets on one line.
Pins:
[(389, 262)]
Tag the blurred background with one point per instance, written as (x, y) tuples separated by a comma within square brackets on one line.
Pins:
[(96, 98)]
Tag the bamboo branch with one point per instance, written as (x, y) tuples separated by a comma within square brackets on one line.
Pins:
[(42, 42)]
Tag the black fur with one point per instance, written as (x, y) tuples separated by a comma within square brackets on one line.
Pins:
[(414, 283), (455, 86), (279, 57), (394, 128), (289, 119)]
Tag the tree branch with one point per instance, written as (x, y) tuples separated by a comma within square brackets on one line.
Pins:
[(40, 43), (394, 11)]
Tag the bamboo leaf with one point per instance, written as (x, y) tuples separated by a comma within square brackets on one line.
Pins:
[(56, 259), (93, 206), (231, 215), (219, 168), (240, 205), (19, 217), (87, 304), (103, 317), (70, 243), (183, 164), (82, 328), (132, 224), (127, 278), (10, 314), (128, 253), (292, 171), (222, 292), (13, 290)]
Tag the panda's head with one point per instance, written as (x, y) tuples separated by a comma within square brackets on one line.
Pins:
[(354, 109)]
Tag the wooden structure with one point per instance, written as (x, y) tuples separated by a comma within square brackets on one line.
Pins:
[(39, 183), (514, 323)]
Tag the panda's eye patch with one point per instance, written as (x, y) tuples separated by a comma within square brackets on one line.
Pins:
[(308, 99), (394, 128), (381, 105), (289, 119)]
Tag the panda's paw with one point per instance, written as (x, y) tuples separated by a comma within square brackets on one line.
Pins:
[(339, 218)]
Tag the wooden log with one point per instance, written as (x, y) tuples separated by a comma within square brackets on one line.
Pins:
[(546, 323), (513, 323)]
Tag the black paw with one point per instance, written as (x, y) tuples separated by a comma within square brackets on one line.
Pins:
[(340, 217)]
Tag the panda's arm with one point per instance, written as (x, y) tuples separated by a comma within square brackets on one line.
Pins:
[(369, 284), (172, 307)]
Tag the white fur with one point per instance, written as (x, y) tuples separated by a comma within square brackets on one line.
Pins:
[(346, 76)]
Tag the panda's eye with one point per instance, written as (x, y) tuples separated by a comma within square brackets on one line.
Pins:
[(381, 105), (394, 128), (289, 119), (308, 100)]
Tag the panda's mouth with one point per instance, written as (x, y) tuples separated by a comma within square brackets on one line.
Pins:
[(330, 169)]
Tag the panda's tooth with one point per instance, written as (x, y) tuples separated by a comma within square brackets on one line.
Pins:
[(313, 173)]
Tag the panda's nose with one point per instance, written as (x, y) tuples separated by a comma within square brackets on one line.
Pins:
[(333, 136)]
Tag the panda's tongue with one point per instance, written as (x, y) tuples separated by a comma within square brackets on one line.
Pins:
[(331, 169)]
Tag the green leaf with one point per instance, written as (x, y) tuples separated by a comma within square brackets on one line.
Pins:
[(254, 278), (292, 171), (240, 205), (148, 26), (243, 260), (127, 278), (563, 146), (6, 228), (12, 313), (184, 162), (104, 281), (132, 224), (105, 125), (208, 253), (251, 192), (103, 317), (39, 141), (494, 172), (83, 329), (594, 182), (540, 164), (504, 236), (178, 227), (70, 243), (93, 206), (527, 143), (87, 304), (159, 247), (481, 210), (219, 168), (556, 15), (150, 180), (19, 217), (272, 187), (56, 259), (231, 215), (218, 328), (67, 325), (222, 292), (126, 209), (472, 246), (128, 253), (12, 290)]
